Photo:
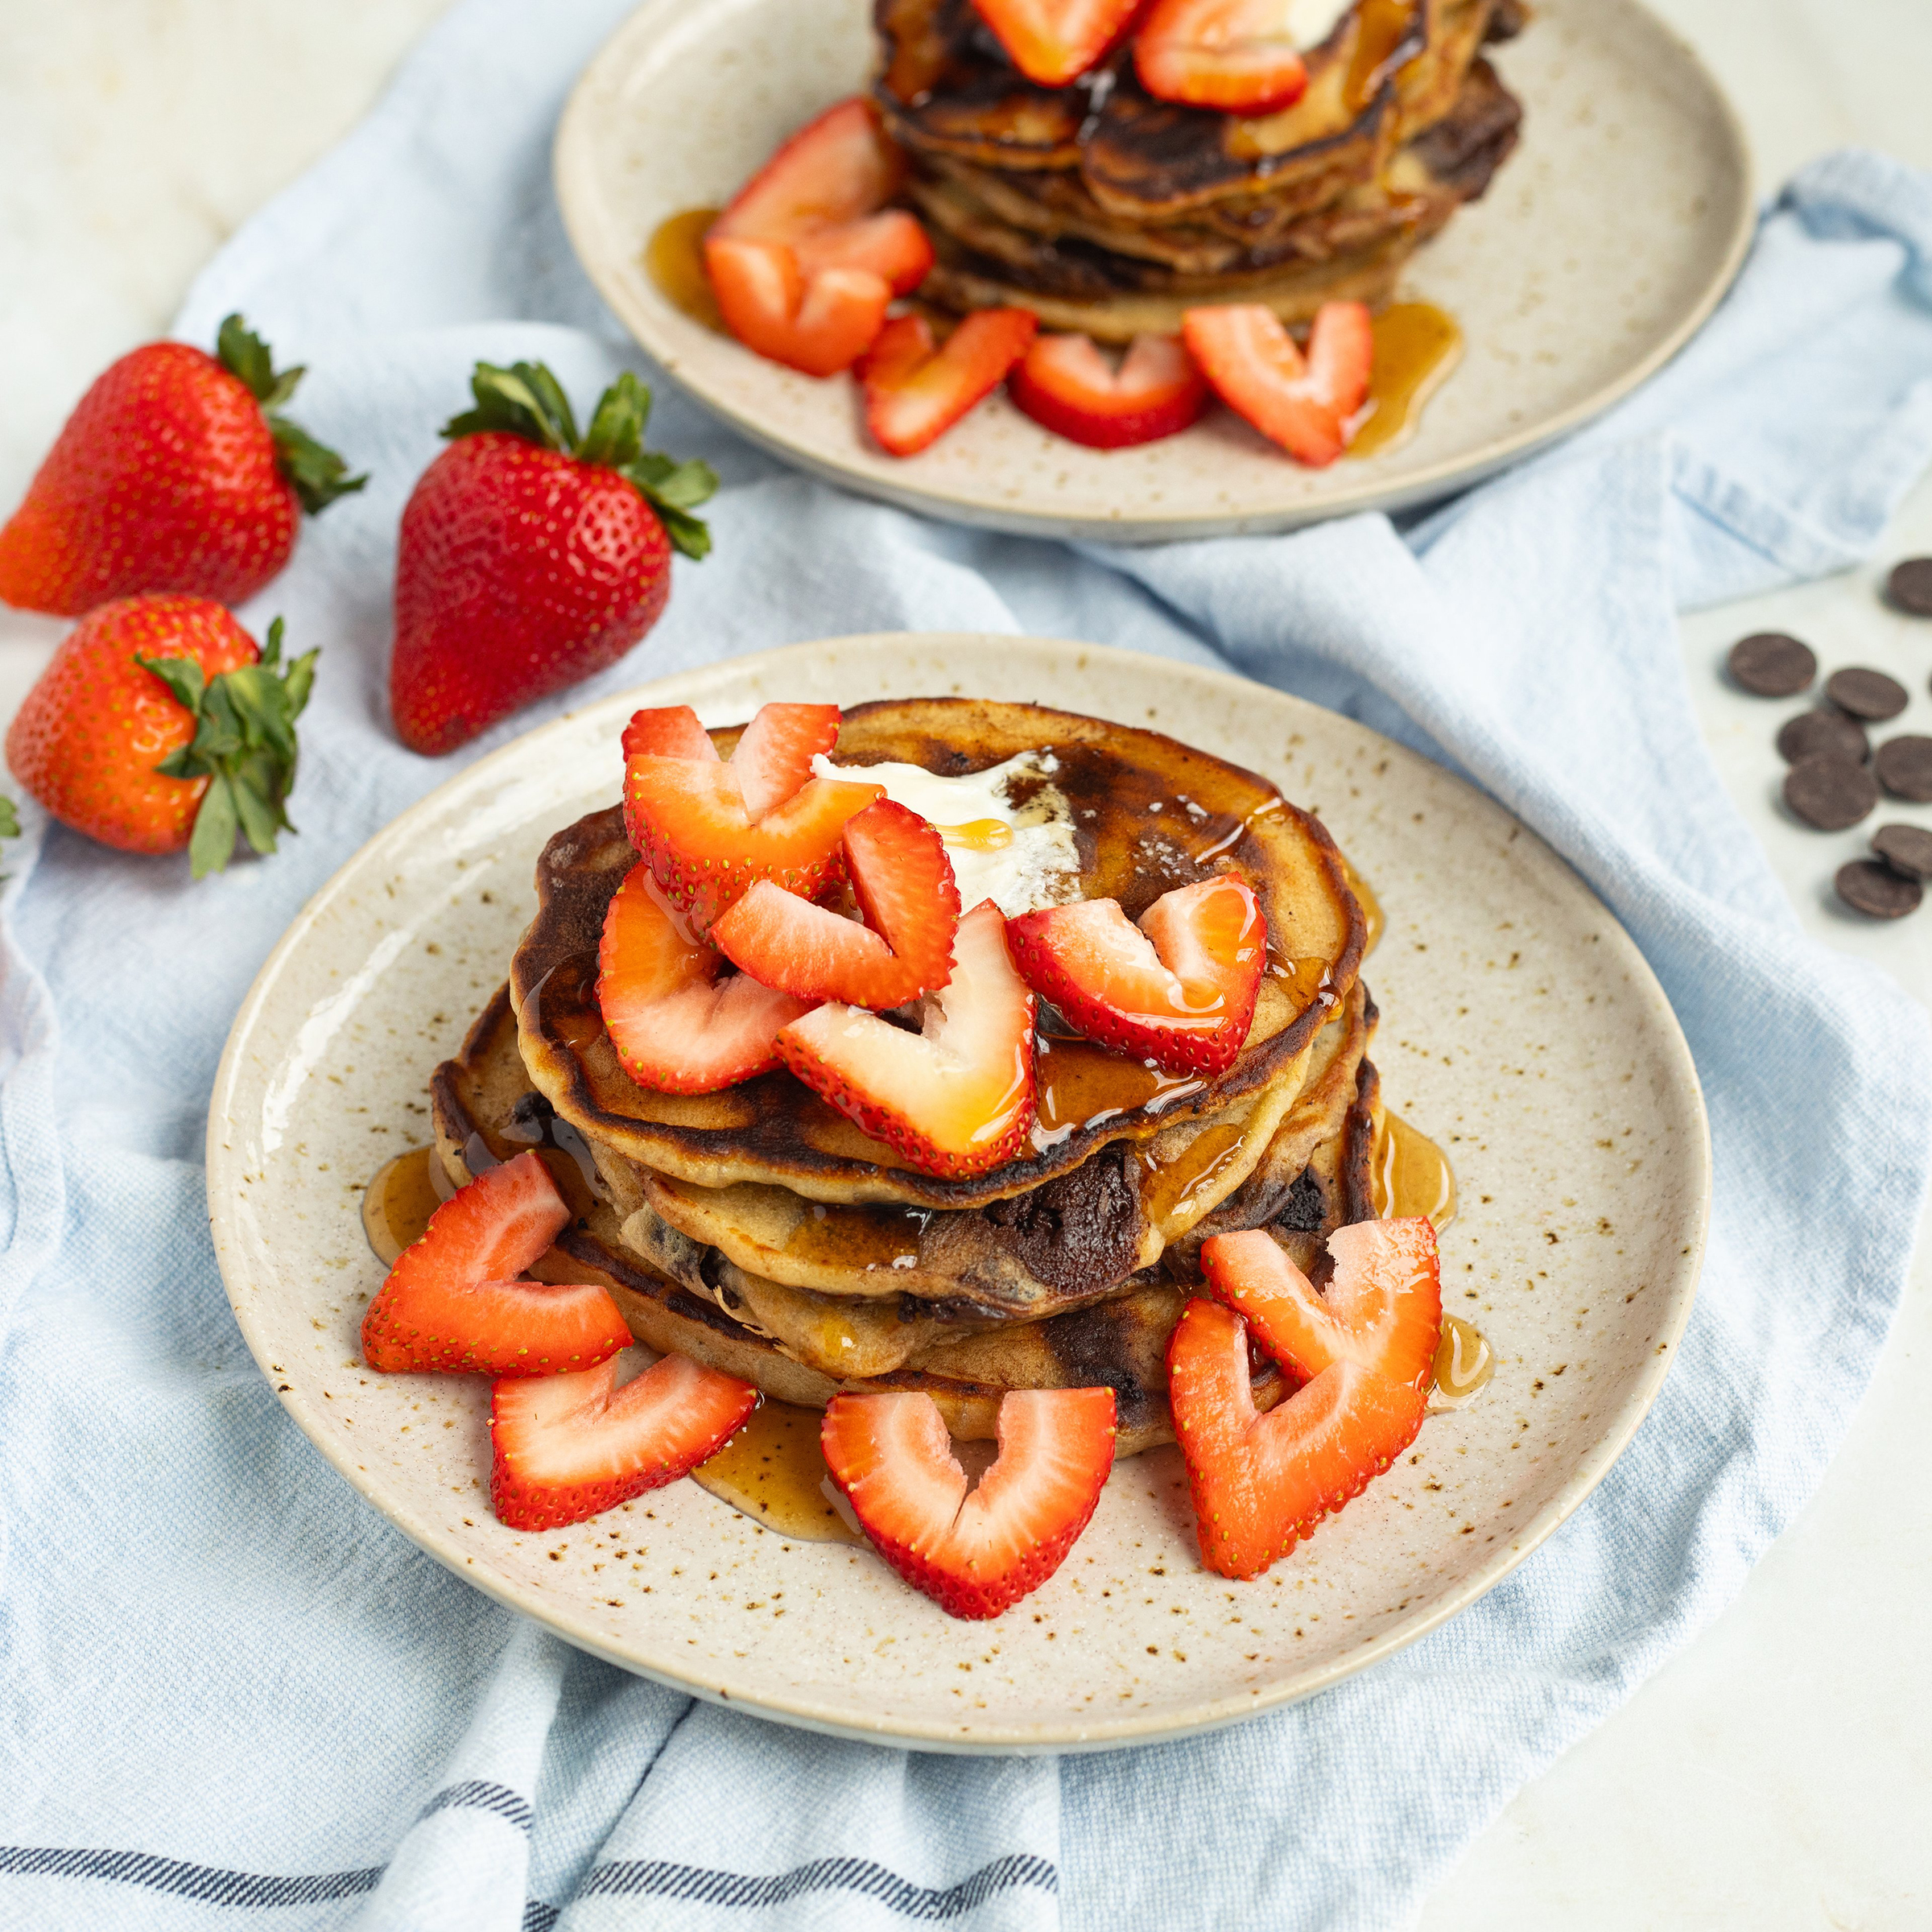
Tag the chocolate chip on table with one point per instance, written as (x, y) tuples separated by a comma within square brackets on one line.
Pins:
[(1830, 793), (1830, 733), (1770, 665), (1905, 848), (1876, 890), (1866, 694), (1905, 767), (1909, 587)]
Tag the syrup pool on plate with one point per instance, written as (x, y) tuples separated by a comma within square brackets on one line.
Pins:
[(675, 259), (772, 1470), (397, 1203), (1416, 346)]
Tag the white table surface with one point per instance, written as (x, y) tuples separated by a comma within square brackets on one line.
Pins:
[(1778, 1773)]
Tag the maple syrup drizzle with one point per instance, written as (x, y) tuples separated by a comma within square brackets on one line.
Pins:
[(1386, 39), (1464, 1362), (1409, 1173), (858, 1237), (1080, 1083), (977, 835), (397, 1203), (1169, 1188), (674, 258), (1416, 346), (1372, 907), (772, 1470)]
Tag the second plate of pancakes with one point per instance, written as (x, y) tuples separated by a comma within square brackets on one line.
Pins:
[(1604, 241), (1519, 1028)]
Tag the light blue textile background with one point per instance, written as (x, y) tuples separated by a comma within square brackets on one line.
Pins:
[(231, 1692)]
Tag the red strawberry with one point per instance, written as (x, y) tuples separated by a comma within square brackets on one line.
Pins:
[(1053, 42), (453, 1306), (824, 193), (176, 471), (904, 884), (977, 1555), (1383, 1308), (1065, 384), (1261, 1482), (1179, 990), (1238, 55), (915, 393), (686, 816), (677, 1028), (568, 1446), (1256, 369), (672, 731), (817, 324), (158, 725), (773, 756), (956, 1098), (531, 558)]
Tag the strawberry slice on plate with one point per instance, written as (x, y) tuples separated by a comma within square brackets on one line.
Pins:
[(773, 754), (824, 193), (570, 1446), (974, 1555), (1239, 56), (903, 882), (1306, 403), (1383, 1307), (1052, 41), (677, 1026), (955, 1099), (1261, 1482), (1179, 989), (453, 1306), (818, 324), (669, 731), (1065, 384), (914, 393)]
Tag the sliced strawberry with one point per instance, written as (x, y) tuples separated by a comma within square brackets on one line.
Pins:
[(1052, 41), (818, 324), (977, 1555), (671, 731), (452, 1304), (1178, 989), (1256, 369), (903, 882), (1383, 1307), (824, 194), (1238, 55), (572, 1446), (688, 820), (956, 1098), (679, 1028), (915, 393), (773, 754), (1065, 384), (1261, 1482)]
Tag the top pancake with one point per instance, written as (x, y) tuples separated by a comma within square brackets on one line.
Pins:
[(1149, 814)]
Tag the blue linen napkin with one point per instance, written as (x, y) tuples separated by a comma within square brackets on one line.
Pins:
[(234, 1692)]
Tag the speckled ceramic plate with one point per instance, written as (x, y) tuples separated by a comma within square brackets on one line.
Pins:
[(1605, 240), (1521, 1029)]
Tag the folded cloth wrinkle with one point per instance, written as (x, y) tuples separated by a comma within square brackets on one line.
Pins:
[(234, 1691)]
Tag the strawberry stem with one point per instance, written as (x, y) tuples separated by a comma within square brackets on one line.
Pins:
[(315, 472), (244, 745), (10, 820), (526, 400)]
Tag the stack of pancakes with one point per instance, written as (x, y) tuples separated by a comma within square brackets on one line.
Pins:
[(1104, 210), (759, 1230)]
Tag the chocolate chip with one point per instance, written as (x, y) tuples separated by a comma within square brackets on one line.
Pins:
[(1905, 848), (1772, 665), (1909, 587), (1823, 733), (1905, 767), (1830, 793), (1866, 694), (1876, 890)]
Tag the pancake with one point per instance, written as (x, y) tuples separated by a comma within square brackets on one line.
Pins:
[(485, 1110), (1148, 815)]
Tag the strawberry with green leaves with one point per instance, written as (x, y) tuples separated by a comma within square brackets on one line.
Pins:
[(176, 471), (159, 726), (531, 556)]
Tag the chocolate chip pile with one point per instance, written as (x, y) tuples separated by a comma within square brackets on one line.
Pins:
[(1836, 779)]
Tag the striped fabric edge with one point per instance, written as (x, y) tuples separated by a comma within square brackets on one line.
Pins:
[(659, 1878)]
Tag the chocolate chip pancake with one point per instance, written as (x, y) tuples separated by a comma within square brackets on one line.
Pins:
[(485, 1110), (1148, 814)]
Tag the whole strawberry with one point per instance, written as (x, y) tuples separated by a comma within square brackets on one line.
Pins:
[(159, 725), (176, 471), (531, 558)]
